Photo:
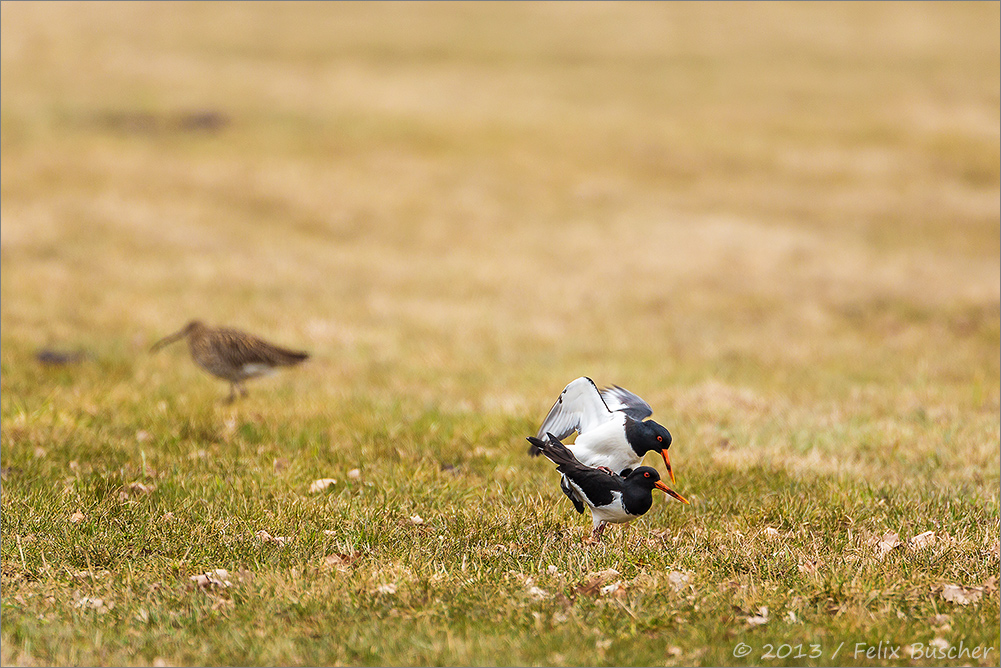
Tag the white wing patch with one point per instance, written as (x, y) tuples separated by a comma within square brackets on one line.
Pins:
[(579, 408)]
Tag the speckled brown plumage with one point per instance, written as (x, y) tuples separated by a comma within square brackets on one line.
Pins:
[(231, 354)]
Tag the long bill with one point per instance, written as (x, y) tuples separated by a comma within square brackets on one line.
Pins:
[(667, 463), (670, 492), (167, 340)]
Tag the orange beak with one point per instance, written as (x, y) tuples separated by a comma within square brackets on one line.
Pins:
[(667, 463), (670, 492)]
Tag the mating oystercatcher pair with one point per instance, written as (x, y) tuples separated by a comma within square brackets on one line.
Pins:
[(601, 468)]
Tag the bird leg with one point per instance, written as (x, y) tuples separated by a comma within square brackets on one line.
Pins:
[(242, 389), (232, 394), (605, 469), (595, 537)]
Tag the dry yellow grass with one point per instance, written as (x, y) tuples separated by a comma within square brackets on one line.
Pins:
[(489, 202), (779, 223)]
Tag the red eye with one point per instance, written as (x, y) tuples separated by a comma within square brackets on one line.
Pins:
[(660, 438), (646, 475)]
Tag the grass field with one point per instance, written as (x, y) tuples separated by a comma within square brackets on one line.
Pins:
[(778, 223)]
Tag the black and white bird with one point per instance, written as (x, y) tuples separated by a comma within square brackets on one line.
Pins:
[(611, 425), (612, 499)]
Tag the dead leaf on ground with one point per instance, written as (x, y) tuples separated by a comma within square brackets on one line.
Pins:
[(889, 542), (960, 594), (354, 474), (616, 589), (216, 578), (388, 589), (771, 532), (642, 582), (134, 489), (339, 562), (596, 581), (416, 520), (678, 580), (808, 567), (760, 618), (538, 593), (321, 484), (87, 575), (265, 537), (77, 517), (922, 540), (98, 604)]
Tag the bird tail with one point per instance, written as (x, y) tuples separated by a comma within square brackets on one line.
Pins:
[(554, 451), (286, 357)]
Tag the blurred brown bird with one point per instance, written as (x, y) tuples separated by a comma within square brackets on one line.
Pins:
[(231, 354)]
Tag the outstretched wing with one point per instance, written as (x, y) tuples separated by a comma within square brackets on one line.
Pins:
[(579, 408), (620, 399)]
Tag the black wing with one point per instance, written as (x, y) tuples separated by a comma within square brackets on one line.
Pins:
[(621, 399), (572, 495), (595, 485)]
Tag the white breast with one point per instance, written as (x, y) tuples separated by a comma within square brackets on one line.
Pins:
[(614, 513), (606, 446)]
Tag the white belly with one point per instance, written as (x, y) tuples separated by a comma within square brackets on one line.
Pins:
[(606, 445), (254, 370), (614, 513)]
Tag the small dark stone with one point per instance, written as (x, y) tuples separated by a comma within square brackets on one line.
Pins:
[(59, 358)]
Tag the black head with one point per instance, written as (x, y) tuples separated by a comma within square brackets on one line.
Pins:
[(650, 436), (647, 478), (647, 436)]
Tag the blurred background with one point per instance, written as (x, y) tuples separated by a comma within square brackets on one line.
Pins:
[(723, 207)]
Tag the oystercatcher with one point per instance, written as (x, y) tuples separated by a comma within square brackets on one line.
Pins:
[(612, 498), (612, 430), (231, 354)]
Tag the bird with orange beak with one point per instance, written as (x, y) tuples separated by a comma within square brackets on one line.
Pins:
[(612, 499), (612, 430)]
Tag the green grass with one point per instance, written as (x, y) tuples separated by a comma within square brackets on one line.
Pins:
[(777, 223), (492, 520)]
